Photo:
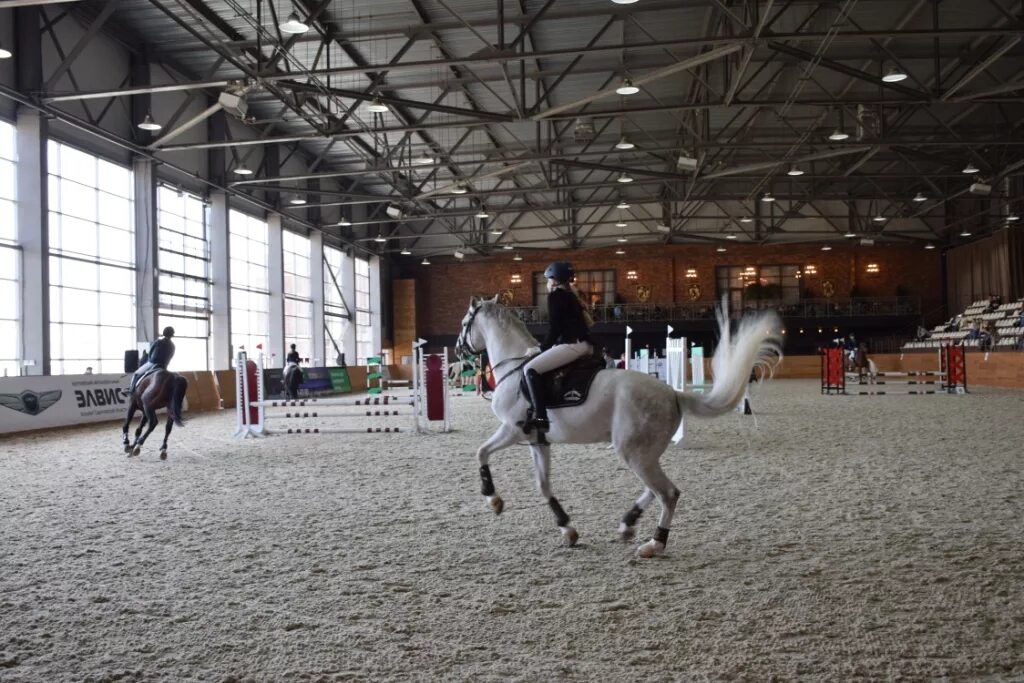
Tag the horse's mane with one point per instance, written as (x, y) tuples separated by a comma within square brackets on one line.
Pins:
[(509, 322)]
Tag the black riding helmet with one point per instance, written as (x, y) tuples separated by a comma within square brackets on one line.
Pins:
[(561, 271), (168, 332)]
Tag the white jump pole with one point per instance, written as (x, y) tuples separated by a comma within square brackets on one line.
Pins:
[(629, 347)]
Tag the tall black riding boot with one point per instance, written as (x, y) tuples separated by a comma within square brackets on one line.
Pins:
[(540, 410)]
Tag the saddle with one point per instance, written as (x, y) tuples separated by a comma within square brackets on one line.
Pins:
[(568, 385)]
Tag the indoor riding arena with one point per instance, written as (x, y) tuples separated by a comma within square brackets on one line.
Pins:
[(511, 340)]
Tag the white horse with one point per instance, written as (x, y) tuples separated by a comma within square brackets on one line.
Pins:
[(637, 413)]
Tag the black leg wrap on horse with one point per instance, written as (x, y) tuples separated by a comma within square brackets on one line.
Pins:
[(661, 535), (486, 483), (629, 519), (561, 518)]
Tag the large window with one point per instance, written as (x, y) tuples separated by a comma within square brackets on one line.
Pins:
[(184, 276), (250, 284), (364, 317), (597, 287), (10, 257), (92, 262), (298, 305), (759, 286), (336, 312)]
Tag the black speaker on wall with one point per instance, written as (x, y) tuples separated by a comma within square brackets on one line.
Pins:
[(131, 360)]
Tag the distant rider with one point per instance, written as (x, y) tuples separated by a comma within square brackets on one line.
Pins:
[(159, 355)]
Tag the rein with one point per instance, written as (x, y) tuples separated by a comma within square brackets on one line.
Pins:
[(525, 359)]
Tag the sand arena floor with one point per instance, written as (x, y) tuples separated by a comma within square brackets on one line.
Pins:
[(838, 538)]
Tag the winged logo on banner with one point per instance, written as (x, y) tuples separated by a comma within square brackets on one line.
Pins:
[(643, 293), (29, 402), (506, 297)]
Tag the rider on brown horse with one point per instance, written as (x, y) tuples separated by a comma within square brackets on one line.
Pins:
[(159, 355)]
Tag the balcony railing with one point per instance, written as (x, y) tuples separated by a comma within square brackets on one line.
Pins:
[(808, 308)]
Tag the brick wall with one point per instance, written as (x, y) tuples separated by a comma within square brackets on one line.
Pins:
[(443, 288)]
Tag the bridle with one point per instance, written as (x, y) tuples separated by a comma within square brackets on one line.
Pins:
[(462, 344)]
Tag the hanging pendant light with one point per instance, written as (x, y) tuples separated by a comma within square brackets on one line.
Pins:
[(380, 238), (242, 169), (149, 124), (838, 135), (627, 87), (624, 143), (482, 213), (625, 178), (296, 201), (293, 25), (730, 236), (920, 197), (423, 159), (344, 222), (794, 170), (879, 218), (929, 246), (970, 168), (746, 219), (459, 189), (376, 106), (517, 257), (767, 197), (894, 75), (425, 261), (405, 251), (622, 205), (5, 53)]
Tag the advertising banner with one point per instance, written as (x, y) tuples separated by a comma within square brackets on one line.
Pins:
[(60, 400), (315, 382)]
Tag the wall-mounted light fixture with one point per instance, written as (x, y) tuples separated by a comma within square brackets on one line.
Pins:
[(631, 275), (691, 273), (872, 268)]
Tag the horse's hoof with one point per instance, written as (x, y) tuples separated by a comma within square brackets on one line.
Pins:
[(650, 549), (569, 535), (163, 455), (128, 449), (626, 532), (496, 504), (136, 450)]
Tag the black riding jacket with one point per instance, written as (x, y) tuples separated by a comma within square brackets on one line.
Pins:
[(566, 315), (293, 357), (161, 352)]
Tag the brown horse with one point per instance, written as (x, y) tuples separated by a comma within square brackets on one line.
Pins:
[(159, 389)]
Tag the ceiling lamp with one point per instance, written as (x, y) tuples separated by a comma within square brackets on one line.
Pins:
[(380, 238), (620, 224), (423, 159), (919, 197), (149, 124), (517, 257), (730, 236), (767, 197), (624, 143), (838, 135), (965, 233), (850, 234), (620, 251), (894, 75), (746, 219), (482, 213), (405, 251), (377, 107), (296, 201), (879, 218), (929, 246), (794, 170), (622, 205), (495, 230), (5, 53), (624, 2), (627, 87), (293, 25), (625, 178), (1012, 217), (508, 247), (720, 250), (242, 169), (663, 228), (970, 168), (459, 189), (826, 248), (622, 238), (425, 261), (344, 222)]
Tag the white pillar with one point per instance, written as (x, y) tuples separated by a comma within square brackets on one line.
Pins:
[(146, 241), (220, 282), (316, 292), (33, 236), (376, 303), (275, 271), (348, 292)]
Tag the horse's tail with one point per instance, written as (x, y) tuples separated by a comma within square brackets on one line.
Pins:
[(177, 397), (757, 343)]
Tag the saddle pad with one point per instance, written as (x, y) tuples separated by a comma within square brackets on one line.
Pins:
[(568, 386)]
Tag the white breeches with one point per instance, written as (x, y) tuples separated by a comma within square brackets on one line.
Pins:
[(557, 356)]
